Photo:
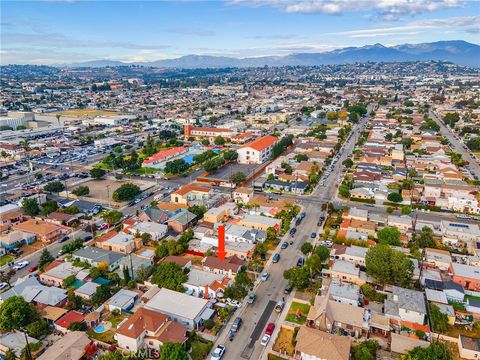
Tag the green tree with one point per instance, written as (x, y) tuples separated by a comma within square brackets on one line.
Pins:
[(54, 187), (306, 248), (438, 319), (238, 178), (435, 351), (313, 264), (348, 163), (69, 280), (81, 190), (169, 275), (344, 191), (16, 313), (389, 266), (198, 210), (426, 238), (323, 252), (389, 235), (240, 288), (113, 355), (38, 328), (394, 197), (97, 173), (366, 350), (301, 157), (30, 207), (10, 355), (112, 216), (45, 258), (49, 207), (406, 210), (126, 192), (102, 294), (205, 142), (230, 155), (298, 277), (219, 141), (173, 351), (176, 166)]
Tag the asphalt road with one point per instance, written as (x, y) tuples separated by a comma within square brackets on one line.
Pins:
[(246, 344), (457, 145)]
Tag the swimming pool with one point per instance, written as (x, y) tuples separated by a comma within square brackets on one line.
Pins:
[(99, 328)]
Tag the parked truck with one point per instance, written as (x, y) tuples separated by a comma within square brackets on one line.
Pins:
[(280, 305)]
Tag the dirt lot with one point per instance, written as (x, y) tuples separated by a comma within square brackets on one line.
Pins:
[(86, 113), (226, 172), (284, 342), (99, 192)]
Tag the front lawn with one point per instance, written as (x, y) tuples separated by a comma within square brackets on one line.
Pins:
[(116, 319), (298, 313), (5, 259), (106, 337), (200, 348), (285, 341)]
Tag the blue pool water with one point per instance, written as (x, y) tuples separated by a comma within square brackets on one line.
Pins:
[(100, 328), (189, 158)]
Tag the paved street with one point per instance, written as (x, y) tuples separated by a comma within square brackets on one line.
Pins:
[(457, 145), (246, 344)]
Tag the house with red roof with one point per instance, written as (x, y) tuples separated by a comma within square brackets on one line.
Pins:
[(159, 159), (66, 320), (257, 151)]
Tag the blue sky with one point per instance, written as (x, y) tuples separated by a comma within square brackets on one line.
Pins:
[(56, 31)]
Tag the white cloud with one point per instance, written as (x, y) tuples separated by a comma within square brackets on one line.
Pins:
[(387, 9), (414, 28)]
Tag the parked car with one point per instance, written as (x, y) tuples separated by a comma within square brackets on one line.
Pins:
[(234, 303), (300, 262), (313, 235), (217, 354), (265, 340), (276, 258), (284, 245), (237, 323), (33, 268), (3, 285), (269, 329), (63, 239), (87, 238), (288, 289), (265, 276), (20, 265), (251, 298)]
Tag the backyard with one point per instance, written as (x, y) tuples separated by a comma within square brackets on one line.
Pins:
[(298, 313), (199, 347), (284, 343), (106, 337)]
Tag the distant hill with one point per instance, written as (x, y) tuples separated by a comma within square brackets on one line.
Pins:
[(457, 51)]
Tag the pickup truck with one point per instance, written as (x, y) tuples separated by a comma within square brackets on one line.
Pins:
[(280, 305)]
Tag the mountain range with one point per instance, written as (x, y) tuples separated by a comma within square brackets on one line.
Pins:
[(456, 51)]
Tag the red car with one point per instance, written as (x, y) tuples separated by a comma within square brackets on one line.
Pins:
[(269, 329), (33, 268)]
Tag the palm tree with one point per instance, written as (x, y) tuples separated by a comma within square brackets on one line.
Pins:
[(5, 156), (26, 145)]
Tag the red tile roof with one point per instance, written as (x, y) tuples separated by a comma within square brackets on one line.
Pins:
[(165, 154), (261, 143), (69, 318)]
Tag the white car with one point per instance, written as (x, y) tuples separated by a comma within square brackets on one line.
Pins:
[(265, 276), (20, 265), (3, 285), (218, 352), (265, 340), (232, 302)]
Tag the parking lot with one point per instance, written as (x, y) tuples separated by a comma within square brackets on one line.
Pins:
[(227, 171)]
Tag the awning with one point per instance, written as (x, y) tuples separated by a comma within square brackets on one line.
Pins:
[(207, 314)]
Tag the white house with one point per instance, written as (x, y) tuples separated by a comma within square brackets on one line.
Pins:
[(258, 151)]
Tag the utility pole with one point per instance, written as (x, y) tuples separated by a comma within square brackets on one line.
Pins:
[(108, 197), (28, 353)]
